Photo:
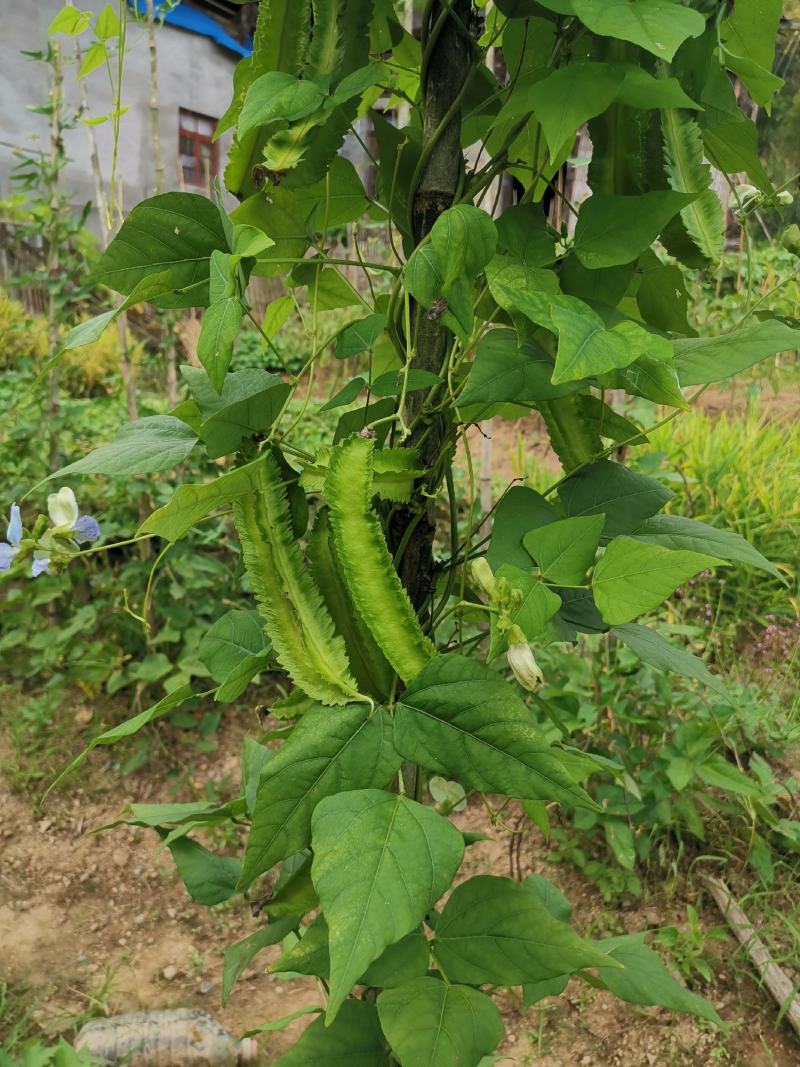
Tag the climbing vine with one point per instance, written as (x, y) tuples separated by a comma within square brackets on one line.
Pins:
[(410, 641)]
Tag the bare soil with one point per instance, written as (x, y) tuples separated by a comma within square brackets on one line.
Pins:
[(99, 923)]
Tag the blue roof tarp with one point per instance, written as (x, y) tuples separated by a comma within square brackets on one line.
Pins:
[(189, 18)]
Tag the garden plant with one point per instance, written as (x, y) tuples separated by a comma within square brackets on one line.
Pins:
[(414, 641)]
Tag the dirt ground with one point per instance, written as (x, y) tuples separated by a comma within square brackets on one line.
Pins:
[(99, 923)]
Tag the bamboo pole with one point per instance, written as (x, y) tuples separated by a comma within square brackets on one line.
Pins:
[(774, 978)]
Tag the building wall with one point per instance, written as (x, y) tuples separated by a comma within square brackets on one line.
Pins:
[(194, 73)]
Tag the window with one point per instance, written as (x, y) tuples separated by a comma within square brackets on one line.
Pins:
[(198, 156)]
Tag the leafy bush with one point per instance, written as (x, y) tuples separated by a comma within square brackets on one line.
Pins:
[(699, 771)]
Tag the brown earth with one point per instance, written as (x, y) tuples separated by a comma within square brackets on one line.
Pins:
[(99, 923)]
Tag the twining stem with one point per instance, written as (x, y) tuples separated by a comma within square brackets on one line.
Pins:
[(448, 61)]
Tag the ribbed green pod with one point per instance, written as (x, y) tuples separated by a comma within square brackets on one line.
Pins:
[(361, 549), (296, 619), (572, 438), (368, 663)]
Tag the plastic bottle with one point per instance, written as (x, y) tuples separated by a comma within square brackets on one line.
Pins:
[(175, 1037)]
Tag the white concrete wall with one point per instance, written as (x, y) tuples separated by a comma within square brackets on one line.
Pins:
[(194, 73)]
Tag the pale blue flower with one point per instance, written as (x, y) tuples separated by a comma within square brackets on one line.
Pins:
[(40, 565), (9, 548)]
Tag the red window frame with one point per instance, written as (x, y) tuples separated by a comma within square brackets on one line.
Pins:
[(194, 131)]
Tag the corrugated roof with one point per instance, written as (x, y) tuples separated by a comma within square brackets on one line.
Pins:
[(188, 18)]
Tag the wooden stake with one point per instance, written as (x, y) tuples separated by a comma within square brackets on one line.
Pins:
[(773, 977)]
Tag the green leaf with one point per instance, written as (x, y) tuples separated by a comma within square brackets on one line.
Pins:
[(461, 719), (751, 29), (439, 1025), (748, 36), (346, 394), (173, 234), (687, 173), (164, 706), (655, 650), (633, 577), (620, 840), (249, 403), (662, 297), (156, 443), (353, 1039), (506, 371), (249, 241), (424, 275), (720, 773), (585, 347), (640, 89), (463, 239), (325, 754), (239, 956), (645, 979), (761, 84), (676, 531), (295, 894), (549, 895), (96, 55), (650, 378), (521, 509), (522, 232), (277, 97), (336, 200), (401, 962), (232, 638), (606, 422), (533, 992), (70, 20), (91, 330), (279, 215), (616, 229), (658, 26), (495, 930), (359, 336), (381, 862), (107, 23), (699, 360), (623, 496), (220, 328), (209, 878), (191, 503), (327, 288), (567, 98), (282, 1023), (255, 757), (565, 550)]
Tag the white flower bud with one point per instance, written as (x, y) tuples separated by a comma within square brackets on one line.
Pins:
[(525, 668), (785, 197), (63, 508), (482, 576)]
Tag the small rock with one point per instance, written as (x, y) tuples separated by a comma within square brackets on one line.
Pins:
[(83, 716), (172, 912), (120, 857), (206, 986), (140, 919), (170, 972)]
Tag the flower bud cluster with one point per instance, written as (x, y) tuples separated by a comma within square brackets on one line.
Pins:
[(506, 601)]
